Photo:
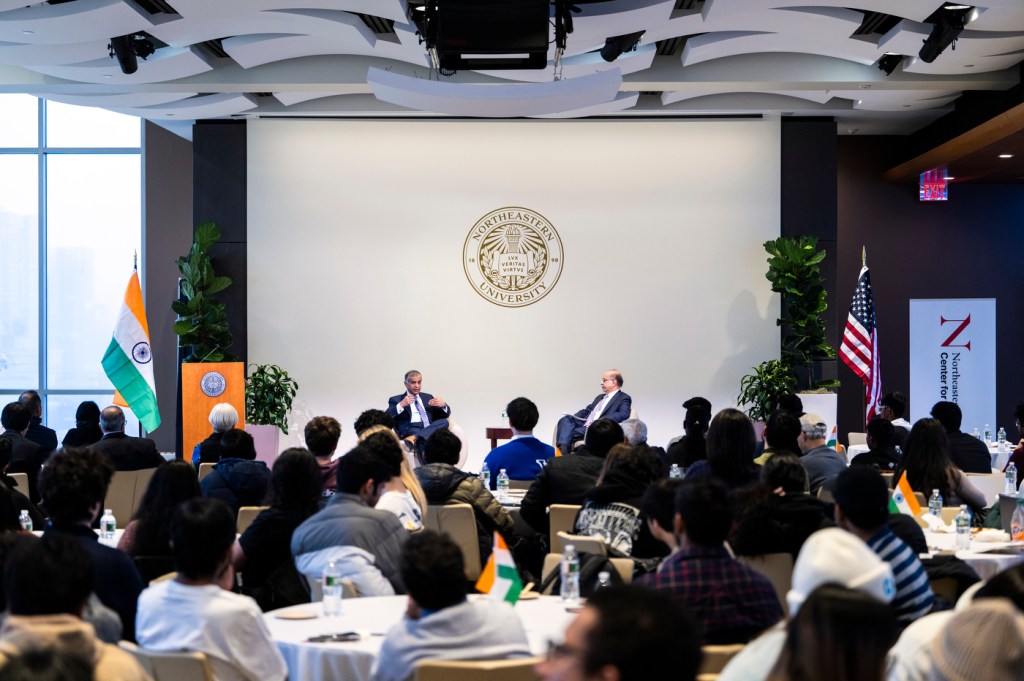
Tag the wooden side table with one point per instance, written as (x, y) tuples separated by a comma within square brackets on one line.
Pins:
[(495, 434)]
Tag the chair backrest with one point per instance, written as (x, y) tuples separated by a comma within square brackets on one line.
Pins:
[(561, 518), (778, 568), (205, 469), (142, 478), (857, 438), (458, 522), (583, 543), (717, 656), (121, 496), (247, 514), (921, 501), (519, 669), (176, 666), (624, 566), (21, 479), (519, 484), (990, 484), (457, 430), (826, 495)]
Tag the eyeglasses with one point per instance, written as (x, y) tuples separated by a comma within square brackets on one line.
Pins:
[(562, 650)]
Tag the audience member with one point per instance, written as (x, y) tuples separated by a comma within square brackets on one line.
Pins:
[(223, 417), (778, 515), (444, 483), (927, 467), (823, 463), (26, 456), (263, 553), (567, 479), (322, 434), (197, 611), (692, 446), (87, 426), (882, 453), (73, 485), (237, 479), (525, 456), (983, 641), (149, 531), (731, 602), (731, 444), (781, 434), (402, 494), (862, 507), (37, 432), (370, 418), (12, 500), (46, 664), (440, 622), (364, 543), (613, 509), (612, 404), (1017, 456), (830, 556), (840, 634), (892, 406), (659, 507), (967, 453), (626, 633), (47, 584), (124, 453), (790, 402)]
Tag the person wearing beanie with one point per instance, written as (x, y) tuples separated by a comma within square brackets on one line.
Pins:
[(828, 556), (862, 507), (984, 641)]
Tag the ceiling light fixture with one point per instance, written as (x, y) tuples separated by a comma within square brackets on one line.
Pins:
[(889, 62), (947, 24), (616, 45), (128, 49), (1005, 155)]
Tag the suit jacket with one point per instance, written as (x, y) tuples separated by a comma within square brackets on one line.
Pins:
[(617, 410), (41, 435), (129, 453), (403, 420), (969, 454), (26, 457)]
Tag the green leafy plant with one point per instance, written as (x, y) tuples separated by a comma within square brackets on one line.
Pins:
[(202, 322), (794, 269), (269, 391), (762, 388)]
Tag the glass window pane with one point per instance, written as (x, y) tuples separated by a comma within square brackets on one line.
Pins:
[(19, 121), (94, 216), (60, 412), (19, 275), (87, 126)]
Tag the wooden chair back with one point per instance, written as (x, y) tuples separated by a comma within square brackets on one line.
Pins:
[(459, 522), (583, 543), (519, 669), (247, 514), (176, 666), (561, 518), (778, 568)]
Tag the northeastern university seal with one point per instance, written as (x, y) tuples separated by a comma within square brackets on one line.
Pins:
[(513, 257)]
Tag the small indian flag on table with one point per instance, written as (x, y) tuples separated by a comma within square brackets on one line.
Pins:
[(903, 499), (500, 578)]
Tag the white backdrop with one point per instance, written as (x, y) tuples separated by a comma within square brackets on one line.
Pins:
[(356, 231)]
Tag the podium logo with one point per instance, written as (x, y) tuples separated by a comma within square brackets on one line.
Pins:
[(512, 257)]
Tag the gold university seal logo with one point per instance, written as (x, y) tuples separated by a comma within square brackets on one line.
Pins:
[(513, 257)]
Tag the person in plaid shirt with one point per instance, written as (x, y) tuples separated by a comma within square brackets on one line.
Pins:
[(731, 602)]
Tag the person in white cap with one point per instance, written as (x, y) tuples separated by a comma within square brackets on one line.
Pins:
[(828, 556)]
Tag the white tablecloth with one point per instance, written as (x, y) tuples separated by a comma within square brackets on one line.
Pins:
[(985, 564), (544, 619)]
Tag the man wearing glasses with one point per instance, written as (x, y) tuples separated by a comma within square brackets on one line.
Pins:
[(612, 404)]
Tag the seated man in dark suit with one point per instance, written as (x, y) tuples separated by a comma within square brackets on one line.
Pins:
[(525, 455), (124, 453), (26, 456), (37, 432), (967, 453), (612, 404), (417, 414)]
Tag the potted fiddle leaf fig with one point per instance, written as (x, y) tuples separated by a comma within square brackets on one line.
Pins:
[(269, 392), (202, 324)]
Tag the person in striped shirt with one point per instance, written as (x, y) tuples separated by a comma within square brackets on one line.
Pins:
[(862, 508)]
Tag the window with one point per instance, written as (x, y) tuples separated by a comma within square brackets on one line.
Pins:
[(70, 225)]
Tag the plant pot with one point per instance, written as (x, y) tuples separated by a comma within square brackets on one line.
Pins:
[(267, 440)]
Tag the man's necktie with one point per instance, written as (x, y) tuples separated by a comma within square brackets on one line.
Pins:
[(423, 412), (596, 412)]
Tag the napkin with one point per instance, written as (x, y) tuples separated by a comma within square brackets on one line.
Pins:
[(990, 534), (935, 524)]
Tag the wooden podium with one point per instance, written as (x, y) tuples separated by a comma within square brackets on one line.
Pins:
[(203, 386)]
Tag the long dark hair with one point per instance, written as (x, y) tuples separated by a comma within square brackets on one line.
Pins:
[(296, 481), (171, 485), (731, 444), (695, 424), (838, 634), (926, 460)]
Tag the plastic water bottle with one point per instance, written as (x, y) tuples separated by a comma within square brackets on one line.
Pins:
[(1011, 480), (963, 529), (976, 434), (502, 486), (675, 472), (332, 590), (485, 476), (108, 524), (935, 504), (1001, 439), (570, 576), (988, 433), (26, 520), (1017, 522), (604, 579)]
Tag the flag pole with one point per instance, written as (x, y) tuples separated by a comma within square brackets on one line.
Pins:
[(863, 256), (135, 261)]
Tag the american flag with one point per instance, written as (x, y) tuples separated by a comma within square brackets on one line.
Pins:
[(859, 349)]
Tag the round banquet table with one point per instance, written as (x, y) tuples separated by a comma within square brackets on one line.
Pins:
[(544, 619), (987, 565)]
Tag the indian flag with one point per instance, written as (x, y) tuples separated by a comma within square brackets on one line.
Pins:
[(500, 578), (833, 438), (903, 499), (128, 361)]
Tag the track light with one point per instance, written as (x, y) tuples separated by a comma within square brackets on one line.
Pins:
[(947, 25), (616, 45), (127, 48), (889, 62)]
